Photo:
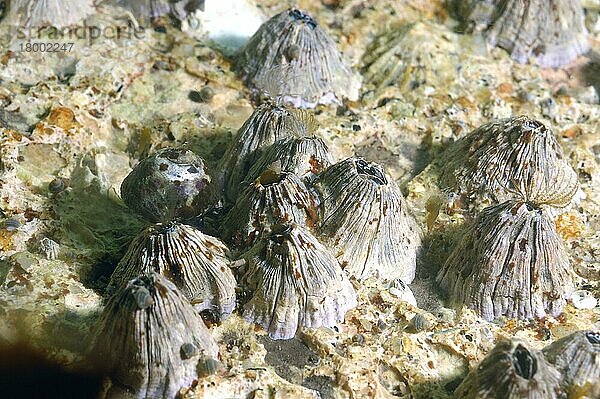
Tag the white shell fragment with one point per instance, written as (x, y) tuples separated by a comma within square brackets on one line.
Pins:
[(513, 158), (553, 33), (42, 13), (295, 282), (511, 370), (365, 218), (577, 357), (195, 262), (402, 291), (149, 339), (293, 53), (582, 299), (511, 262)]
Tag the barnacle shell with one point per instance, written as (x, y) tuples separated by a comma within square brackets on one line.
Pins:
[(195, 262), (170, 184), (293, 57), (365, 218), (150, 339), (510, 262), (146, 10), (41, 13), (275, 197), (513, 158), (552, 32), (511, 371), (577, 357), (295, 282)]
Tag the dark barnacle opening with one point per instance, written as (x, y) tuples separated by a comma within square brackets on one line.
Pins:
[(298, 15), (371, 171), (532, 207), (593, 337), (173, 154), (525, 364), (532, 124), (280, 232), (272, 175)]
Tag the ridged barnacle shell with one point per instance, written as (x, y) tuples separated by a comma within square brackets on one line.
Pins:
[(147, 10), (511, 370), (172, 183), (295, 282), (577, 357), (195, 262), (552, 32), (275, 197), (365, 218), (510, 262), (42, 13), (294, 51), (513, 158), (149, 339)]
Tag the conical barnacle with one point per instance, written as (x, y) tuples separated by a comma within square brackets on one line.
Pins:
[(146, 10), (297, 60), (577, 357), (511, 371), (508, 159), (170, 184), (149, 339), (197, 263), (365, 218), (510, 262), (275, 197), (552, 32), (42, 13), (295, 282)]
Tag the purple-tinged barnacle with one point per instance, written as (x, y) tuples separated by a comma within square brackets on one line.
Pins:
[(365, 218), (48, 13), (511, 370), (553, 33), (577, 357), (295, 282), (294, 59), (275, 197), (172, 183), (513, 158), (195, 262), (510, 262), (149, 340)]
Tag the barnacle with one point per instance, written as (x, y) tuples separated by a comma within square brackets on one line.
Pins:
[(146, 10), (511, 370), (577, 357), (510, 262), (552, 32), (275, 197), (170, 184), (42, 13), (295, 282), (298, 61), (365, 218), (197, 263), (508, 159), (149, 339)]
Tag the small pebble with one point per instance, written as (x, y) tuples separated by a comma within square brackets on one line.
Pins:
[(583, 299), (12, 224), (202, 96), (419, 323), (57, 185), (188, 351), (208, 366)]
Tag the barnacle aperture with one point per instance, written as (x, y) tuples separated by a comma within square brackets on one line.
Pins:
[(149, 340), (172, 183), (295, 282), (195, 262), (510, 262), (365, 218)]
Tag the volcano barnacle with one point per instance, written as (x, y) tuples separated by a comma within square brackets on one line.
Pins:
[(551, 32), (295, 282), (195, 262), (292, 49), (170, 184), (365, 218), (43, 13), (577, 357), (511, 371), (150, 339), (510, 262), (508, 159)]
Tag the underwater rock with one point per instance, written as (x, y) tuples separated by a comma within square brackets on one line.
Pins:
[(295, 282), (46, 13), (553, 33), (293, 58), (510, 262), (365, 218), (172, 183), (511, 371), (149, 340), (195, 262), (513, 158)]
